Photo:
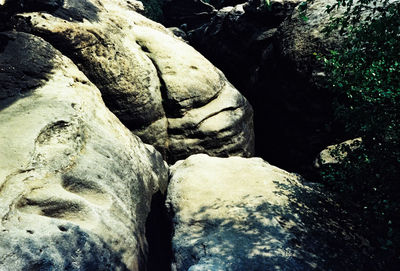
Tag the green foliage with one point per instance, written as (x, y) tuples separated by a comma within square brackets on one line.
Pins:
[(365, 77), (302, 9)]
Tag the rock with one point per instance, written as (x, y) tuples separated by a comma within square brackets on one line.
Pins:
[(300, 39), (147, 77), (193, 13), (245, 214), (75, 184), (335, 154), (178, 32), (233, 38), (219, 4), (267, 52)]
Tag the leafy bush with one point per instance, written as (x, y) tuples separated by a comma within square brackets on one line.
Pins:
[(365, 77)]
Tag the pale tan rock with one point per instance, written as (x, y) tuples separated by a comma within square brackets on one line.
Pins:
[(226, 214), (75, 184), (146, 75), (244, 214)]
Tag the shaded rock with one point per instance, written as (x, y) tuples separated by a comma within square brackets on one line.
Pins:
[(248, 42), (178, 32), (192, 13), (245, 214), (300, 39), (218, 4), (75, 184), (147, 77), (235, 38), (334, 154)]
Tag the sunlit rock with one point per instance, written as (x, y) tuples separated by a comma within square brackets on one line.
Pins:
[(245, 214), (147, 77), (75, 184)]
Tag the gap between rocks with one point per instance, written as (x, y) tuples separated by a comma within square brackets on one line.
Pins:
[(159, 235)]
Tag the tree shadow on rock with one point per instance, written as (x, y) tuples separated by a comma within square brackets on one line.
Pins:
[(311, 232), (326, 233), (250, 238), (26, 63), (70, 10), (69, 249)]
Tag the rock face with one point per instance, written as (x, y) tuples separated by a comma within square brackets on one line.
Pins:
[(301, 38), (335, 154), (268, 54), (244, 214), (158, 86), (191, 13), (75, 184)]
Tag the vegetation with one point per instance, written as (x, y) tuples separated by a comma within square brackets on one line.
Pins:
[(365, 77)]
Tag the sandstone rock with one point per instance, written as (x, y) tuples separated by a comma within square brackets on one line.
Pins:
[(301, 38), (146, 75), (267, 53), (245, 214), (75, 184), (235, 38), (334, 154)]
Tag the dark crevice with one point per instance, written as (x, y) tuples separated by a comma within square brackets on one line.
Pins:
[(159, 235)]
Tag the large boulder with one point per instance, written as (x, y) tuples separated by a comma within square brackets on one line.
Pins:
[(335, 154), (158, 86), (302, 36), (75, 184), (268, 53), (245, 214)]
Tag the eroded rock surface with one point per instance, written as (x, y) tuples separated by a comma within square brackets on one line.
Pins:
[(75, 184), (155, 83), (245, 214), (268, 53)]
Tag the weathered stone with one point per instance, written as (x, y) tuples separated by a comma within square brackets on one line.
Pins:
[(245, 214), (75, 184), (301, 38), (268, 53), (335, 154), (146, 75)]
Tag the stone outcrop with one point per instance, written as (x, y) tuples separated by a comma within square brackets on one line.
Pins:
[(157, 85), (335, 154), (187, 13), (245, 214), (75, 184), (267, 52), (302, 35)]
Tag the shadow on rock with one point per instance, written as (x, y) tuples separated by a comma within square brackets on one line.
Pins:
[(22, 70), (70, 10), (70, 249), (326, 236)]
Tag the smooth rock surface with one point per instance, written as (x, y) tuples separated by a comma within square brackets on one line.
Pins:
[(75, 184), (245, 214), (147, 77)]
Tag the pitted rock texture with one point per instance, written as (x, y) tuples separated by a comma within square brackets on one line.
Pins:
[(147, 77), (75, 184), (245, 214)]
